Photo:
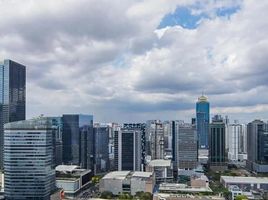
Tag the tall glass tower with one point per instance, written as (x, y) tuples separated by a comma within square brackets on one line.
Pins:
[(202, 121), (12, 96)]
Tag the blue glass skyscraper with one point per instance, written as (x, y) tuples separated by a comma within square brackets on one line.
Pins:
[(202, 121)]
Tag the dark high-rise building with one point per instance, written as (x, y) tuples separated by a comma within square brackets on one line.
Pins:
[(129, 151), (217, 150), (257, 146), (202, 121), (101, 147), (12, 96), (77, 137), (28, 159)]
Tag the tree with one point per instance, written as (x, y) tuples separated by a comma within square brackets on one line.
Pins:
[(106, 195), (241, 197)]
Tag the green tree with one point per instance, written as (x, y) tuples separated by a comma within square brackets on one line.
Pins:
[(106, 195), (241, 197)]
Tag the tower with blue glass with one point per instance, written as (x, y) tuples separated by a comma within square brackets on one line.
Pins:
[(202, 121)]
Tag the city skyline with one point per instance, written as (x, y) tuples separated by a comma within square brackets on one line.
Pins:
[(125, 62)]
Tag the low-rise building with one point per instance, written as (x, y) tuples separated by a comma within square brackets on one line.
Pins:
[(199, 181), (163, 170), (119, 182), (245, 183), (177, 188), (163, 196), (72, 179)]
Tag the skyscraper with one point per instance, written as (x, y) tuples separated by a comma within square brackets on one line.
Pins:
[(77, 139), (28, 159), (202, 121), (128, 148), (217, 151), (233, 139), (186, 147), (155, 139), (12, 96), (101, 147), (257, 135)]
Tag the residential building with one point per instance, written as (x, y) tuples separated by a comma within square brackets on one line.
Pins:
[(12, 96), (217, 150), (119, 182), (28, 159), (257, 135), (202, 121)]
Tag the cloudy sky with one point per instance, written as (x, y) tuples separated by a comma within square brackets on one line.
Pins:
[(132, 60)]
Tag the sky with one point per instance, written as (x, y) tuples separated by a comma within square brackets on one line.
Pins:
[(135, 60)]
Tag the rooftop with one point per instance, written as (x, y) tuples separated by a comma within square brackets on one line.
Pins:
[(66, 168), (242, 179), (142, 174), (160, 163), (116, 175)]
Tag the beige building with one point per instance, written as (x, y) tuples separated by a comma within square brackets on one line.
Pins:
[(126, 181)]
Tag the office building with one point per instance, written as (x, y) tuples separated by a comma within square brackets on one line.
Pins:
[(77, 140), (12, 96), (129, 148), (28, 159), (119, 182), (186, 147), (155, 139), (234, 131), (217, 150), (57, 140), (257, 135), (202, 121), (101, 147)]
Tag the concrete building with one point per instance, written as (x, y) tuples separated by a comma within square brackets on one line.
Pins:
[(199, 181), (257, 135), (155, 139), (28, 159), (12, 96), (165, 196), (176, 188), (217, 150), (245, 183), (127, 182), (186, 147), (163, 170), (72, 179)]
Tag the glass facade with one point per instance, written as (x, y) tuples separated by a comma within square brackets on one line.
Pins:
[(12, 96), (202, 121), (78, 140), (101, 148), (28, 159)]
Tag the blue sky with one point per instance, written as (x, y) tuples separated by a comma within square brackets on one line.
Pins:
[(184, 17)]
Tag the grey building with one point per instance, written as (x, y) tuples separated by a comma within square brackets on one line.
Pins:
[(28, 159), (186, 147), (128, 149), (77, 140), (57, 140), (101, 147), (217, 150), (12, 96), (155, 140), (257, 135)]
